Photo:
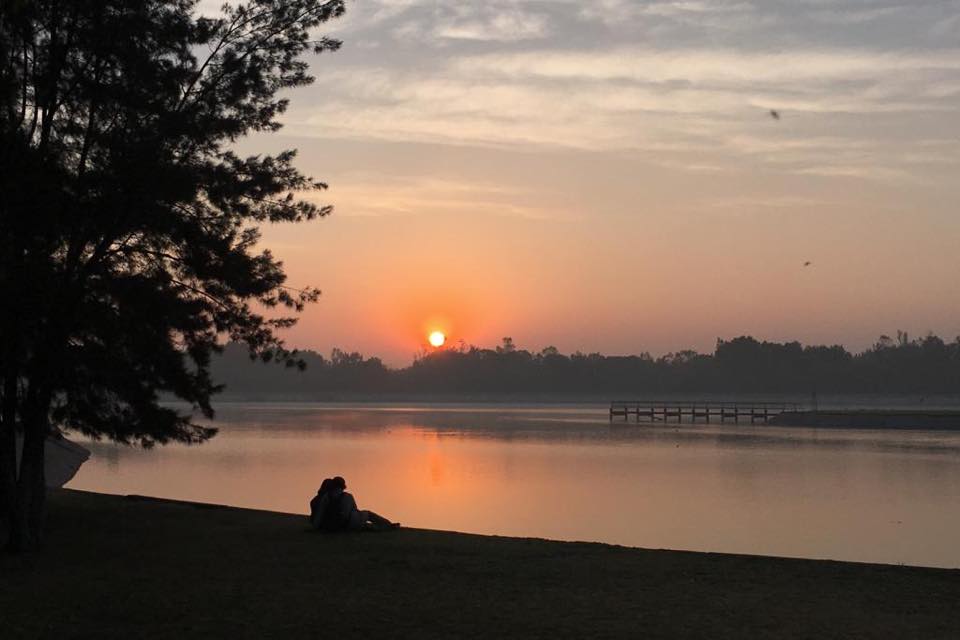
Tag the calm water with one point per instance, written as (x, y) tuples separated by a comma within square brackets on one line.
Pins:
[(566, 473)]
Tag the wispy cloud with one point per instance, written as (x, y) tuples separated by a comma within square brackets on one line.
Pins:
[(492, 24), (855, 15), (694, 101), (712, 66), (688, 84), (360, 194)]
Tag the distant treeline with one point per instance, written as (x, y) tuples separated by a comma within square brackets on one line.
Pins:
[(892, 365)]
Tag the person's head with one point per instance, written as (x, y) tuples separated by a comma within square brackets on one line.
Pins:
[(325, 486), (338, 483)]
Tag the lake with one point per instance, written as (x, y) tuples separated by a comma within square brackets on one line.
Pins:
[(565, 472)]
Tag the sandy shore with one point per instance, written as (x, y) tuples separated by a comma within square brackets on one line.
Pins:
[(116, 567)]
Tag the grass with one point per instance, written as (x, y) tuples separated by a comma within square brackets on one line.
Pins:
[(115, 567)]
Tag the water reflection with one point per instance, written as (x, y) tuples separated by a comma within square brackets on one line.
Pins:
[(567, 473)]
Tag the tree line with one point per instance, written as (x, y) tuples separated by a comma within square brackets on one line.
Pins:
[(927, 365)]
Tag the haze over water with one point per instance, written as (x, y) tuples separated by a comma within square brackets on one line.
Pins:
[(567, 473)]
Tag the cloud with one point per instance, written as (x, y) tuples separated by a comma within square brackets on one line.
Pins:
[(498, 26), (715, 14), (524, 74), (360, 194), (711, 65), (948, 27), (854, 15)]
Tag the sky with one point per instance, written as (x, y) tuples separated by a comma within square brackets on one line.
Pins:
[(606, 175)]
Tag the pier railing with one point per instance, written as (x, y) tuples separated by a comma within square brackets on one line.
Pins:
[(687, 410)]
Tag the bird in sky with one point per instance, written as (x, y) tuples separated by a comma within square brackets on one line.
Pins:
[(774, 114), (807, 263)]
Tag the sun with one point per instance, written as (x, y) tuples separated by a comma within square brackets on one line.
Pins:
[(437, 338)]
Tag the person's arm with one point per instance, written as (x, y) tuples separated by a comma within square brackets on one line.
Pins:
[(347, 506)]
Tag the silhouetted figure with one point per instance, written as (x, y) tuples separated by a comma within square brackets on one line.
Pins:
[(318, 506), (333, 509)]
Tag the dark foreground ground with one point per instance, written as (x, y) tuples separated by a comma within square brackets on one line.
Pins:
[(122, 568)]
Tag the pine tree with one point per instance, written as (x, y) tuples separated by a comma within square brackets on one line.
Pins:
[(128, 227)]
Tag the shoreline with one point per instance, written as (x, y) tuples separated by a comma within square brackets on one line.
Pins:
[(560, 398), (216, 506), (124, 567), (595, 411)]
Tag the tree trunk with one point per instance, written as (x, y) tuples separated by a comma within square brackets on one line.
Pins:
[(10, 333), (8, 455), (8, 477), (26, 528)]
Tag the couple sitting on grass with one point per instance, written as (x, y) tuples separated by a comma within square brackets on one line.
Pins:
[(333, 509)]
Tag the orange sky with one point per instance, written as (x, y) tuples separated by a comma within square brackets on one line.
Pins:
[(528, 169)]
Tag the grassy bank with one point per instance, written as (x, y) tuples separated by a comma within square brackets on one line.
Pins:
[(117, 567)]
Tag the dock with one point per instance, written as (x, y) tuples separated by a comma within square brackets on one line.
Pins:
[(692, 411)]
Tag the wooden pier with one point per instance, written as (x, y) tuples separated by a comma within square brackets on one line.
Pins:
[(692, 411)]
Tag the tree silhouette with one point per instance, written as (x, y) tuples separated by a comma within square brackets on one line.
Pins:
[(128, 228)]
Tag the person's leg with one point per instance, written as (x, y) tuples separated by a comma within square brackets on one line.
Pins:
[(378, 522)]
